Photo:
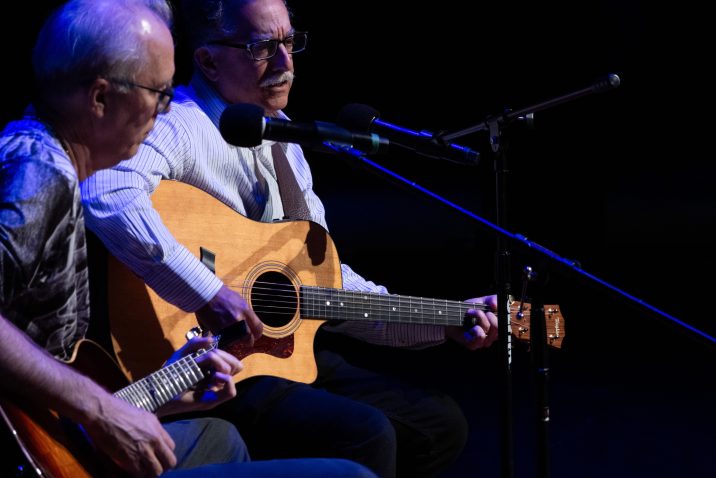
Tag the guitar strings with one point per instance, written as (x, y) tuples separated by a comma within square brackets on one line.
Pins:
[(291, 291), (458, 307), (158, 388), (345, 304), (283, 298)]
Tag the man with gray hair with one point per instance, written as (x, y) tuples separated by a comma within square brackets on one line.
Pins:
[(243, 52), (104, 72)]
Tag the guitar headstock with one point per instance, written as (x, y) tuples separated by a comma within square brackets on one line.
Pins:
[(520, 313)]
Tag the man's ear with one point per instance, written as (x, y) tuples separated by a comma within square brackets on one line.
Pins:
[(205, 61), (97, 97)]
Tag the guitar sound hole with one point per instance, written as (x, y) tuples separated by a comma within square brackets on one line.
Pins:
[(274, 299)]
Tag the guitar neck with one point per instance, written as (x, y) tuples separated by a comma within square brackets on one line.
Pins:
[(325, 303), (158, 388)]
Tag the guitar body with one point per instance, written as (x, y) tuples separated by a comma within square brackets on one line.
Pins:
[(51, 444), (146, 329), (290, 274)]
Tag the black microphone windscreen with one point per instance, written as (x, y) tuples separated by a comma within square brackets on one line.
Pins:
[(357, 117), (242, 124)]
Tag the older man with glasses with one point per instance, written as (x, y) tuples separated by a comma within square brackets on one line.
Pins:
[(243, 52)]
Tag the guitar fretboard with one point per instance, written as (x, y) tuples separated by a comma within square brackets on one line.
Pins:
[(325, 303), (156, 389)]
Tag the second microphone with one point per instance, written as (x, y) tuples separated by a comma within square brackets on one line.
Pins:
[(245, 125)]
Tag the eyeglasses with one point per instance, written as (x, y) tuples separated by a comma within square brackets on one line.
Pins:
[(165, 96), (265, 49)]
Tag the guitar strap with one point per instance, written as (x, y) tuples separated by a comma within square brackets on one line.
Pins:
[(235, 331), (294, 204), (208, 258)]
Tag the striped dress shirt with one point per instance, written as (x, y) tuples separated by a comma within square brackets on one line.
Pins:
[(186, 145)]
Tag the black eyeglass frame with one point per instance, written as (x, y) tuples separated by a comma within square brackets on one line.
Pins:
[(272, 41), (165, 96)]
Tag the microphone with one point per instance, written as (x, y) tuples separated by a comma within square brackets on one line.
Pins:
[(364, 118), (245, 125)]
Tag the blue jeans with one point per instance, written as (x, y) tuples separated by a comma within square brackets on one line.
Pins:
[(210, 447)]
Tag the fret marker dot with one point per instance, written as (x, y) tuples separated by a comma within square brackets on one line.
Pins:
[(328, 302), (341, 304), (365, 315), (394, 309)]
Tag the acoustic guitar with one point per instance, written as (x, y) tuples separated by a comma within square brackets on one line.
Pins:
[(290, 274)]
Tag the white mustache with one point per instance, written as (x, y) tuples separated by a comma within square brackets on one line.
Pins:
[(277, 80)]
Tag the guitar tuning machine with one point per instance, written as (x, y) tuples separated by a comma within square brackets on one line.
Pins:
[(527, 275), (194, 332)]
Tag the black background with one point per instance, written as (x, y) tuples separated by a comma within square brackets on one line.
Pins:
[(620, 181)]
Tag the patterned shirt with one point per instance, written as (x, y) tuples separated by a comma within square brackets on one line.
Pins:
[(43, 255), (186, 145)]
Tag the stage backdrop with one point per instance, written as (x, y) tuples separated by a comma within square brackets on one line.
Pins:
[(621, 182)]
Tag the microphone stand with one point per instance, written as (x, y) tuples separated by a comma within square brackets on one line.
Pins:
[(568, 266), (495, 126)]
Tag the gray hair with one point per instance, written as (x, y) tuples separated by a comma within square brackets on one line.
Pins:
[(85, 39), (208, 20)]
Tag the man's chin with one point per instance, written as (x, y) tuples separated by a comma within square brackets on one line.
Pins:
[(276, 98), (124, 155), (275, 104)]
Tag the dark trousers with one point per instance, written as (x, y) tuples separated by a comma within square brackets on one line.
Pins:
[(210, 447), (391, 427)]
